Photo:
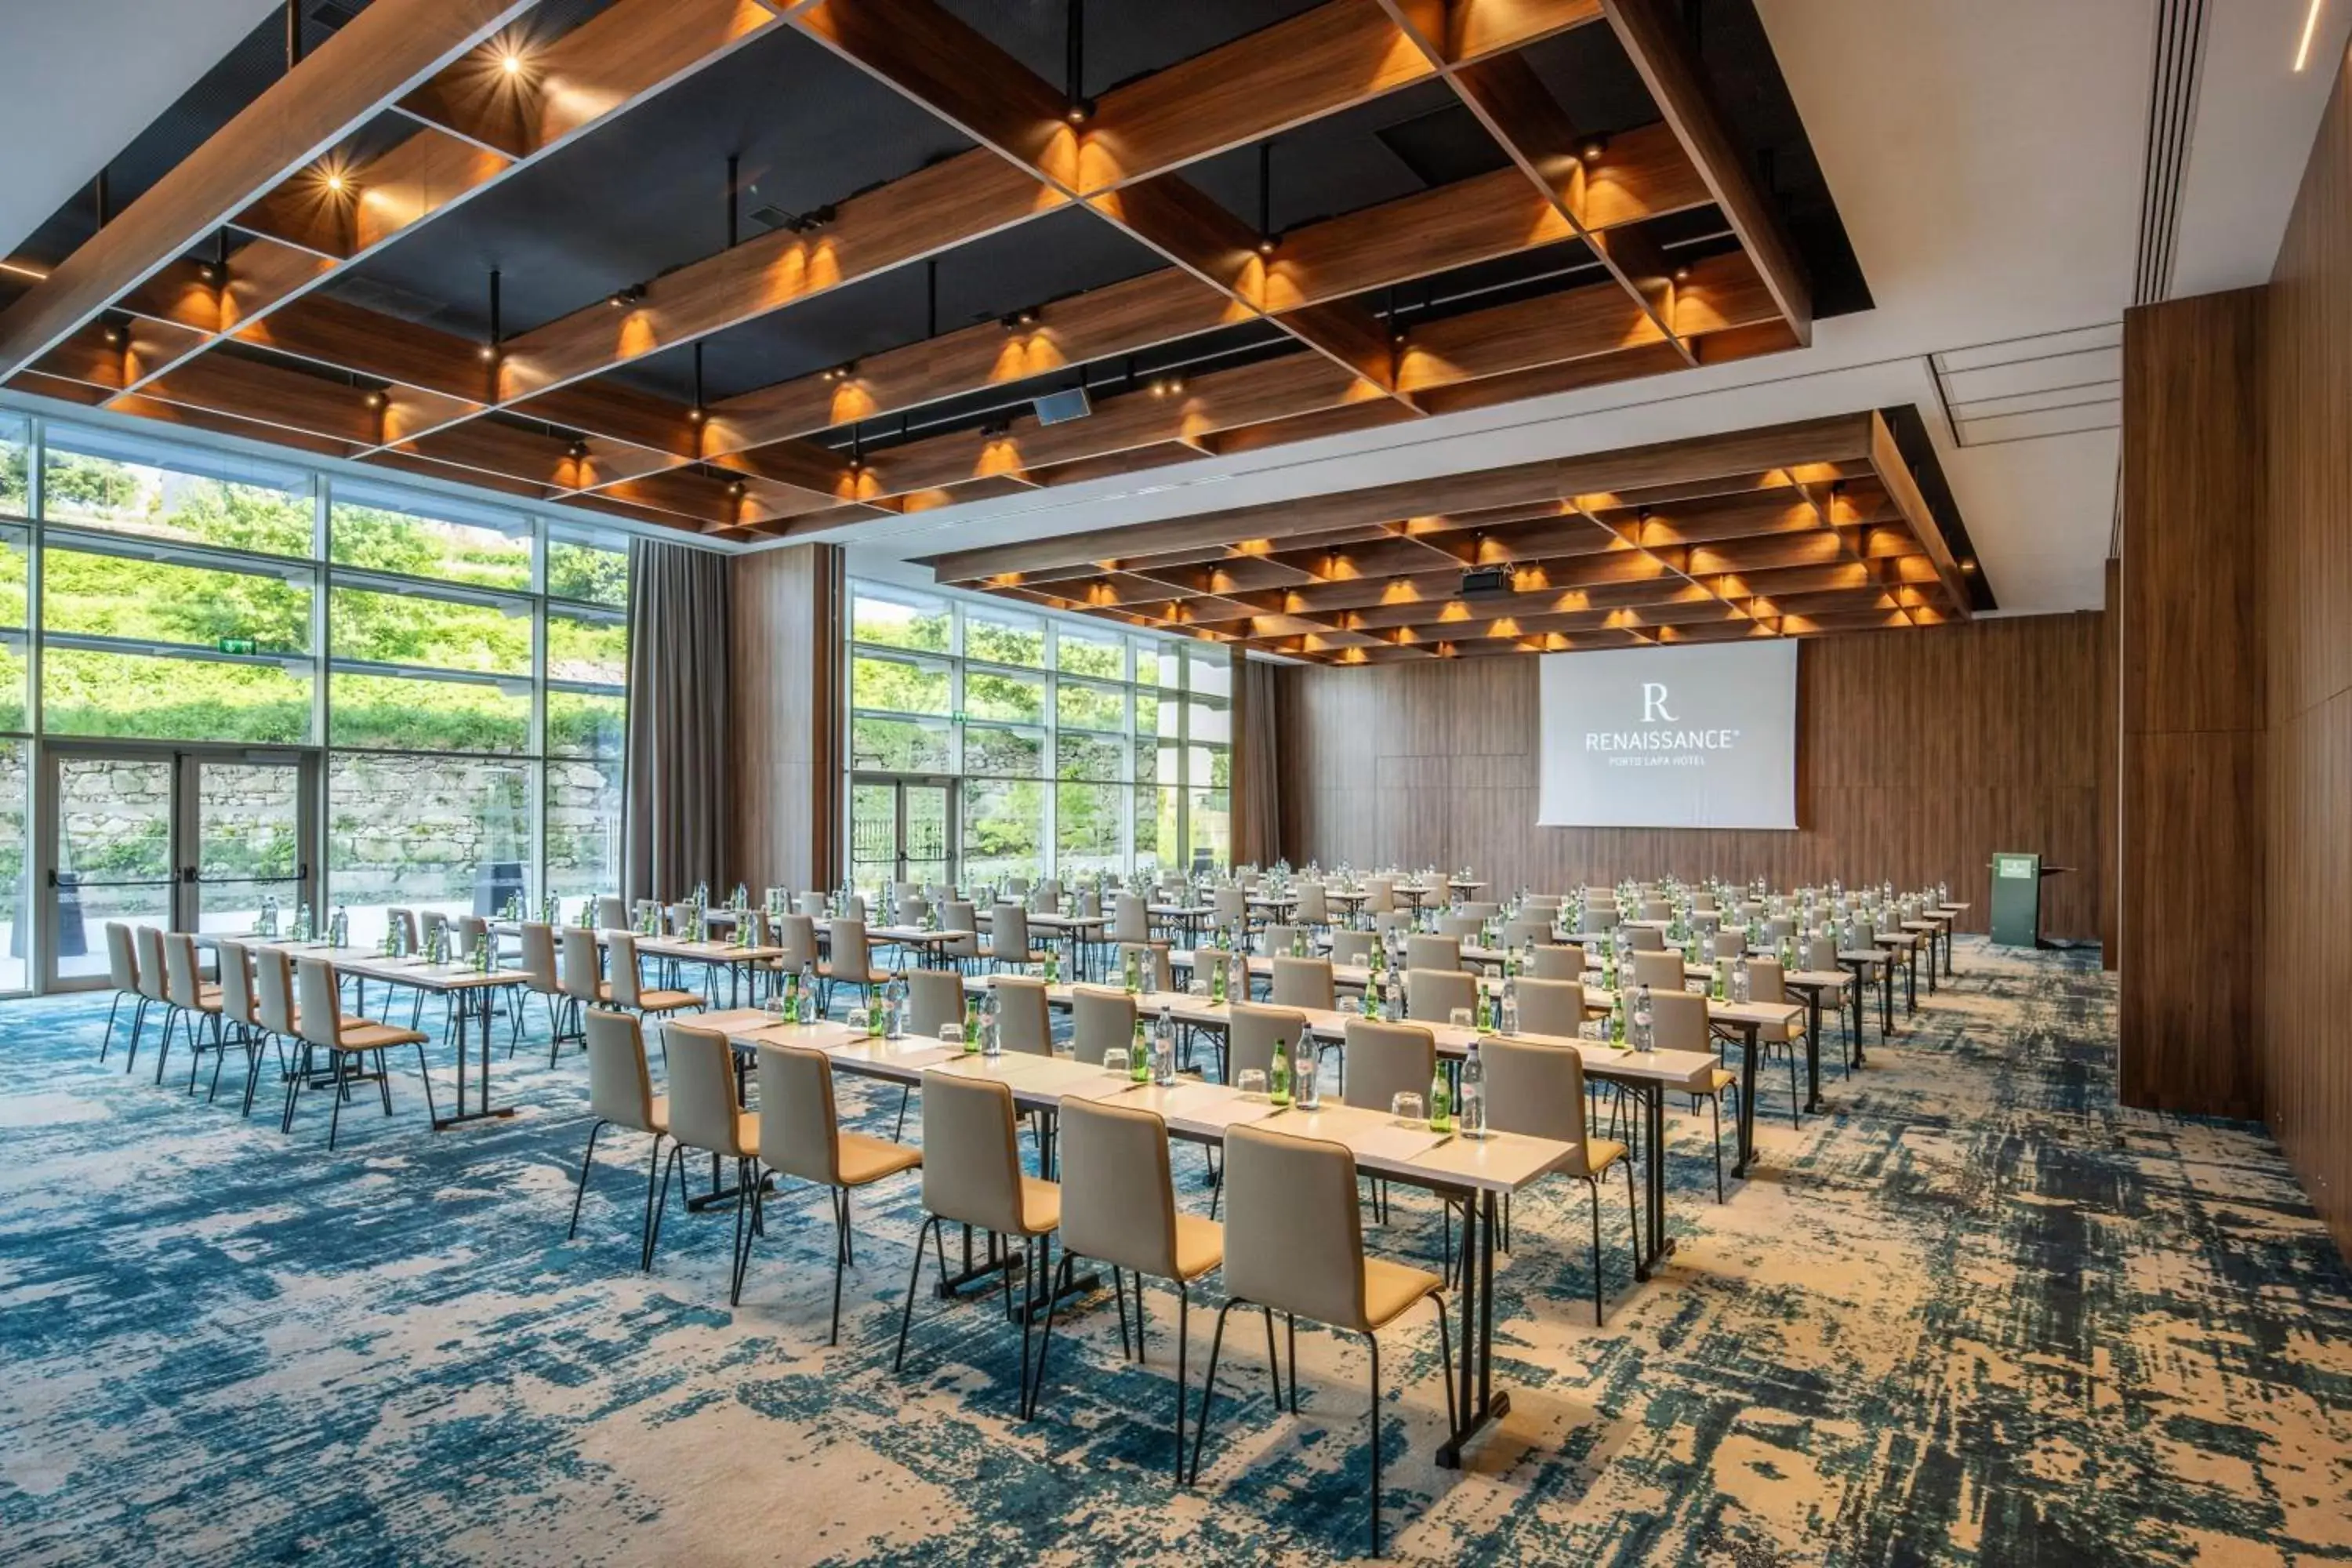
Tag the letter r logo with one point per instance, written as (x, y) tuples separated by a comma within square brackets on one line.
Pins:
[(1653, 703)]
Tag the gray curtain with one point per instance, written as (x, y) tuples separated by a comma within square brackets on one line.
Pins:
[(1258, 836), (678, 811)]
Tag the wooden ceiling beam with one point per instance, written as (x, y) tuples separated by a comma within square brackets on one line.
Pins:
[(278, 394), (346, 337), (385, 51), (1655, 41), (1895, 474), (341, 211)]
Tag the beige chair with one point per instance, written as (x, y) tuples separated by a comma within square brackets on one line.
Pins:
[(1280, 938), (1130, 923), (579, 977), (1461, 928), (612, 913), (1476, 910), (1657, 910), (1099, 1021), (934, 997), (1599, 917), (1430, 995), (627, 988), (1557, 961), (706, 1115), (1433, 952), (1231, 907), (538, 965), (147, 941), (1703, 900), (240, 1007), (122, 973), (1313, 907), (1728, 944), (796, 937), (1304, 983), (972, 1175), (621, 1094), (1538, 1091), (1660, 971), (961, 914), (1765, 984), (1647, 939), (1120, 1207), (1553, 1007), (851, 963), (1022, 1021), (1527, 931), (1385, 1060), (1251, 1034), (404, 921), (1380, 895), (1008, 938), (273, 1007), (1678, 1023), (816, 906), (800, 1135), (197, 1001), (321, 1025), (1354, 947), (1296, 1246)]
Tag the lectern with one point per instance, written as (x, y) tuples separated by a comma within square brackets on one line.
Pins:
[(2017, 898)]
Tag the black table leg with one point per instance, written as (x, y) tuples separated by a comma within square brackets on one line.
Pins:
[(1748, 1055), (1478, 1404), (1813, 1052), (1653, 1184), (472, 1006)]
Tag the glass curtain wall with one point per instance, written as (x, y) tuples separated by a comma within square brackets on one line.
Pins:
[(458, 669), (1062, 746)]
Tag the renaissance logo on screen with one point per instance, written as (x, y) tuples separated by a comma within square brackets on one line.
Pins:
[(1669, 737)]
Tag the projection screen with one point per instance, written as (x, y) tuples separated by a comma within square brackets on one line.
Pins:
[(1703, 736)]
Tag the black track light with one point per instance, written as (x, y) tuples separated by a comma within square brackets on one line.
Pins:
[(622, 298), (579, 451), (1592, 149)]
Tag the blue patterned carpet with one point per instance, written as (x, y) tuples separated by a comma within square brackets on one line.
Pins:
[(1975, 1313)]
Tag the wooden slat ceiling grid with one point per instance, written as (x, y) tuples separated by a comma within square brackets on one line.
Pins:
[(1687, 541), (135, 319)]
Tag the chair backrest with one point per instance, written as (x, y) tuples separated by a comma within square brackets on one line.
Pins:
[(1008, 932), (1352, 947), (471, 929), (959, 915), (1431, 993), (1648, 939), (182, 980), (273, 990), (1659, 971), (1023, 1023), (1600, 918), (703, 1109), (237, 981), (1304, 983), (1526, 930), (121, 957), (1152, 964), (1703, 900), (813, 905), (1231, 904), (1099, 1021), (538, 956), (430, 925), (1392, 920), (620, 1085), (1252, 1034), (852, 958), (404, 921), (1280, 936), (320, 1015), (1779, 926), (1552, 1006), (1118, 1205), (1478, 909), (1380, 895), (1765, 983), (1130, 918), (582, 967), (1821, 955), (1016, 887), (1750, 910), (1460, 927), (1385, 1060), (1535, 1089), (853, 908), (612, 911), (1433, 952), (1559, 960), (1728, 944), (934, 997), (1314, 909), (677, 918), (799, 1127), (1295, 1241), (1679, 1019), (621, 959), (796, 935), (972, 1162), (1657, 910), (913, 909), (149, 940)]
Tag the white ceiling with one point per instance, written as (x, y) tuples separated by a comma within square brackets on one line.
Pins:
[(1986, 157), (84, 77)]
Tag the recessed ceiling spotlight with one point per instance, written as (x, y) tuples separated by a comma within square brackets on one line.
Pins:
[(487, 353), (1267, 244), (114, 336), (336, 183), (1081, 109), (1593, 147), (579, 451), (1682, 274), (695, 414), (375, 399), (1018, 321), (737, 490), (510, 62)]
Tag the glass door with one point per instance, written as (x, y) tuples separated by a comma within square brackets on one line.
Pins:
[(899, 829), (184, 839)]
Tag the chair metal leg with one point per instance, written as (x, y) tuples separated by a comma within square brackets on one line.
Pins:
[(931, 1224), (586, 1161), (1592, 1190), (660, 1203), (106, 1041), (840, 1260), (1045, 1343), (1273, 1361), (1796, 1101), (645, 1229), (425, 1077), (1209, 1386), (1375, 1343), (343, 1059), (1446, 1359), (743, 1185), (1119, 1294), (1715, 1111), (137, 1022), (1633, 1214), (898, 1133)]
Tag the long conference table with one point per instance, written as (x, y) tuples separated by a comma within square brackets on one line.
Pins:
[(1472, 1171)]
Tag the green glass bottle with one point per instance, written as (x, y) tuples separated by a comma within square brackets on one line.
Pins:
[(1216, 980), (1138, 1056), (972, 1025), (1278, 1076), (1617, 1020), (1440, 1101)]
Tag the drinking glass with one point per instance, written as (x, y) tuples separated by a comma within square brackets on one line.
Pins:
[(1251, 1083), (1407, 1109), (1352, 1005), (951, 1034), (1115, 1061), (861, 1022), (1458, 1017)]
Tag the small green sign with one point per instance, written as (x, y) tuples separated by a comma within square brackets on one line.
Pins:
[(2015, 866)]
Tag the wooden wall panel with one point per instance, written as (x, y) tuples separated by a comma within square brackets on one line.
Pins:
[(1920, 754), (2306, 965), (787, 707), (2190, 929), (2110, 740)]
